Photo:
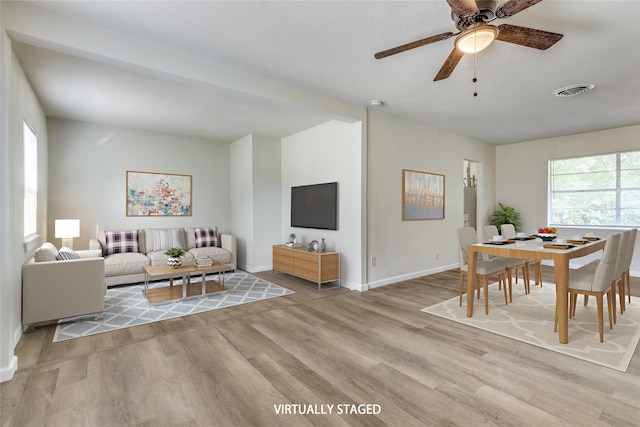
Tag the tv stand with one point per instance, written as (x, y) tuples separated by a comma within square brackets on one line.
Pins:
[(316, 266)]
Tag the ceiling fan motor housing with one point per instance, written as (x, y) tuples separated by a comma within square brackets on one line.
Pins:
[(486, 13)]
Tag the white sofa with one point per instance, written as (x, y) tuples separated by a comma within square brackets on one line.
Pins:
[(55, 289), (127, 267)]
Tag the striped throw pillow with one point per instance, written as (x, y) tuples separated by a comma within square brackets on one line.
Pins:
[(66, 253), (166, 239), (119, 242), (206, 237)]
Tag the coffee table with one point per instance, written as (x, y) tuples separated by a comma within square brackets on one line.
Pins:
[(186, 289)]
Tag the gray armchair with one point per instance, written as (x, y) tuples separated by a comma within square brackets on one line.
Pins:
[(53, 289)]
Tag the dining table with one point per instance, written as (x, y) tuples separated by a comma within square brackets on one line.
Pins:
[(531, 247)]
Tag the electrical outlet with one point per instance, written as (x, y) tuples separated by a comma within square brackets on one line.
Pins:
[(437, 256), (373, 261)]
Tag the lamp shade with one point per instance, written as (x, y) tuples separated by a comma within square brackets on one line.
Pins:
[(67, 228), (476, 38)]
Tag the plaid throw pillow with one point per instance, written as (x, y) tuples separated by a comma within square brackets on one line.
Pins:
[(206, 237), (121, 241)]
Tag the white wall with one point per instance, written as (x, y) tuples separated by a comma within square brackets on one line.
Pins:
[(328, 153), (407, 249), (266, 201), (255, 200), (241, 208), (87, 176), (18, 103), (522, 174)]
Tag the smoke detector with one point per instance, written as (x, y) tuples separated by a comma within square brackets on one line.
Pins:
[(574, 90)]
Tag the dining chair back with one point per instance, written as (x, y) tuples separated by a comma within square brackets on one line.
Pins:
[(467, 236), (598, 282), (513, 264), (508, 231), (631, 245), (621, 267)]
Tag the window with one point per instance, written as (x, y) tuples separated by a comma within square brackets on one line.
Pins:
[(597, 191), (30, 142)]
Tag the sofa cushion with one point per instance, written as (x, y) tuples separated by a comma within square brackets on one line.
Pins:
[(206, 237), (67, 253), (163, 239), (218, 254), (46, 252), (125, 263), (159, 258), (117, 242)]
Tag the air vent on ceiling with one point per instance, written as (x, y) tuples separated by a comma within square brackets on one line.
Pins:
[(573, 90)]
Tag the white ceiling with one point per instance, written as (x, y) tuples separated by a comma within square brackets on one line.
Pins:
[(275, 68)]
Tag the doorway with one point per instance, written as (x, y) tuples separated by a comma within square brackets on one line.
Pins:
[(470, 182)]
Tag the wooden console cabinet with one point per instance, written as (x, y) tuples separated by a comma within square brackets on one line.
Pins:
[(318, 267)]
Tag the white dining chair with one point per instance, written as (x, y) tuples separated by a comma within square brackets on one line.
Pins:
[(596, 283), (513, 264), (484, 269), (631, 244), (509, 232)]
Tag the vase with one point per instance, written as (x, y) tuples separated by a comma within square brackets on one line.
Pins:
[(323, 245), (174, 261)]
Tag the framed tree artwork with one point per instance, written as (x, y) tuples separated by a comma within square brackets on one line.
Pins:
[(422, 195), (158, 194)]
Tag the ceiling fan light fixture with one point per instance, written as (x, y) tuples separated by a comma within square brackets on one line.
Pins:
[(476, 38)]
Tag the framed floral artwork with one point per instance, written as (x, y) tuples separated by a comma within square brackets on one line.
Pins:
[(422, 195), (158, 194)]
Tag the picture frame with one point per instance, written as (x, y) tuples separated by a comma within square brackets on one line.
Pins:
[(423, 195), (158, 194)]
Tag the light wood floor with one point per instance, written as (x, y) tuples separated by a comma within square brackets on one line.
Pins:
[(230, 367)]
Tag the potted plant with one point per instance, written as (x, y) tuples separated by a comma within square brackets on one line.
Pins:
[(292, 238), (175, 256), (506, 215)]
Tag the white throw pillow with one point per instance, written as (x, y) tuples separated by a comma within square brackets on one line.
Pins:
[(46, 252)]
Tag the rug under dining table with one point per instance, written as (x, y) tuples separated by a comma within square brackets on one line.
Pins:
[(529, 318)]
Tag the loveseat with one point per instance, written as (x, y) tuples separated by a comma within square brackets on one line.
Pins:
[(127, 252), (61, 284)]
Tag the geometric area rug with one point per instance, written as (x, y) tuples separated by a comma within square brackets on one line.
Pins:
[(127, 306), (529, 318)]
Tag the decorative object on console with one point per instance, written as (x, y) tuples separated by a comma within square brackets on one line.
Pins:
[(156, 194), (67, 229), (175, 256), (323, 245), (292, 238), (422, 195), (314, 245)]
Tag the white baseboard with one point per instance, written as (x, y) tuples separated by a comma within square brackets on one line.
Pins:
[(6, 372), (258, 269), (409, 276)]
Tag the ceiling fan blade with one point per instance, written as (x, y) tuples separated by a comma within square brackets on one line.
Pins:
[(412, 45), (463, 8), (512, 7), (529, 37), (449, 64)]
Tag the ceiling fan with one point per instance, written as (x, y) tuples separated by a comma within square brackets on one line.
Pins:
[(475, 33)]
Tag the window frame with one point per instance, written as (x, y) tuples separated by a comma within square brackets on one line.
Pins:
[(30, 185), (618, 191)]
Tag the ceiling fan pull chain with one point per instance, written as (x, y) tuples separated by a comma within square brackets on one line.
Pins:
[(475, 79)]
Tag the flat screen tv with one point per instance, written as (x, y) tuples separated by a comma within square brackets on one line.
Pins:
[(315, 206)]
